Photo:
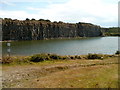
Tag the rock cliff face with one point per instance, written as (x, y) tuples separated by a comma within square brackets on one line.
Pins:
[(36, 30)]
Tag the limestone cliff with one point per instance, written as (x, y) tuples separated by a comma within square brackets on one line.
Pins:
[(40, 29)]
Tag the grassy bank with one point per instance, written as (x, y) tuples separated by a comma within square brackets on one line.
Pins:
[(37, 58), (55, 71)]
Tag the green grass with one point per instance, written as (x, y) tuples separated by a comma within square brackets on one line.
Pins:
[(92, 77), (113, 31)]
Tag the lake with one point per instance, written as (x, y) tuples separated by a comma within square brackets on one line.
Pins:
[(103, 45)]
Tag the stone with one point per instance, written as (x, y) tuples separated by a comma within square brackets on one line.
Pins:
[(38, 30)]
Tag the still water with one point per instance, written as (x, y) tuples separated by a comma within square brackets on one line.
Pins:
[(103, 45)]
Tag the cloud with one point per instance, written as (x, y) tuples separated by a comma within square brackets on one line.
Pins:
[(91, 11), (36, 1), (7, 3), (17, 14), (95, 11)]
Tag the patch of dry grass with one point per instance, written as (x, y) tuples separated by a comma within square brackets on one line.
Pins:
[(85, 77), (79, 73)]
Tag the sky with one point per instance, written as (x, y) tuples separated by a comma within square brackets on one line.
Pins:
[(99, 12)]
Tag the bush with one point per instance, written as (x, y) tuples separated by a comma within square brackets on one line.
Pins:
[(47, 20), (41, 20), (39, 57), (94, 56), (54, 56), (72, 57), (55, 22), (7, 60), (44, 20), (14, 60), (77, 57), (117, 52), (43, 57), (33, 19), (27, 19), (64, 57), (60, 22)]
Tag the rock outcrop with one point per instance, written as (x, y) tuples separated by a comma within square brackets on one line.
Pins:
[(44, 29)]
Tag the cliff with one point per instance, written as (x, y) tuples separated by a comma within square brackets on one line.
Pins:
[(45, 29)]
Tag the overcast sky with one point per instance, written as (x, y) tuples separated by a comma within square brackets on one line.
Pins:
[(99, 12)]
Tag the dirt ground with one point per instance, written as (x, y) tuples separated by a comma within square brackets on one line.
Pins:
[(63, 74)]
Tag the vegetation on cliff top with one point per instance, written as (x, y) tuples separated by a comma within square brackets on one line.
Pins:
[(112, 31)]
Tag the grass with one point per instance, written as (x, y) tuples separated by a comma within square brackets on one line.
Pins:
[(97, 76), (113, 31), (92, 77), (57, 72), (15, 60), (19, 60)]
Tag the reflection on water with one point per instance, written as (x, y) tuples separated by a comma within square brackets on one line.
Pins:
[(105, 45)]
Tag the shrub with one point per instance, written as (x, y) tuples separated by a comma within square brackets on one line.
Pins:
[(77, 57), (7, 60), (47, 20), (39, 57), (72, 57), (15, 60), (94, 56), (41, 20), (44, 20), (60, 22), (27, 19), (117, 52), (54, 56), (64, 57), (33, 19), (55, 22)]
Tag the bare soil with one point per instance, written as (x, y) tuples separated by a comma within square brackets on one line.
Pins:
[(63, 74)]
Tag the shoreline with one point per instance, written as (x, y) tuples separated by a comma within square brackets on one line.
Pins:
[(61, 38), (47, 39), (36, 58)]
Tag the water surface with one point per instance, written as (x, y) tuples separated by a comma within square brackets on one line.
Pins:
[(103, 45)]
